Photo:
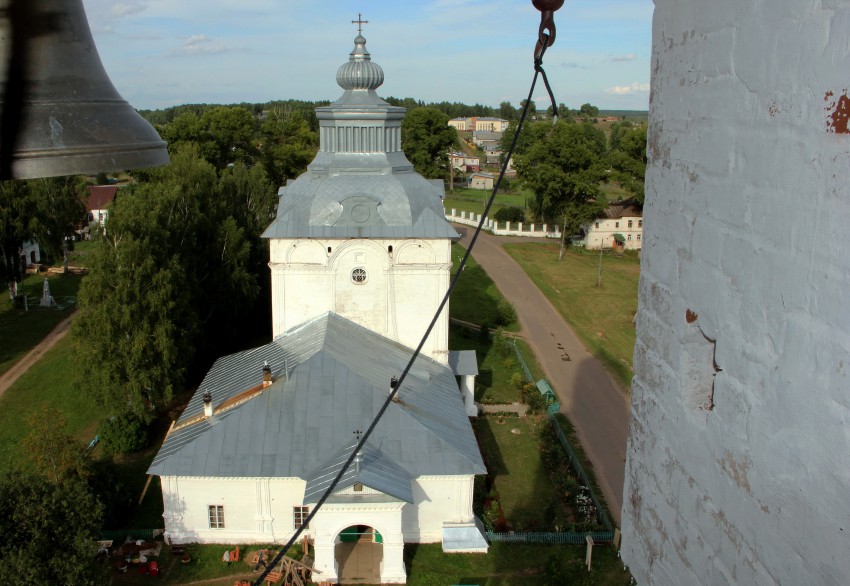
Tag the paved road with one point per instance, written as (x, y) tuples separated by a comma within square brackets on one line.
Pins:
[(598, 409)]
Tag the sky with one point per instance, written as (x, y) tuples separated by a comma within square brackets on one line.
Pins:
[(161, 53)]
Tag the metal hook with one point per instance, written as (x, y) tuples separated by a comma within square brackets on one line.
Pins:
[(546, 36), (547, 33)]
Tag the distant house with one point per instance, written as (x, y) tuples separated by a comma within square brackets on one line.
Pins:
[(487, 140), (97, 205), (480, 181), (479, 123), (30, 253), (620, 226), (464, 162)]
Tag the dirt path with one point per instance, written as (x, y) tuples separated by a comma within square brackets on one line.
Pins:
[(60, 331), (594, 403)]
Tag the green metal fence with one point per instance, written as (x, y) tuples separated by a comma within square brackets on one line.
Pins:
[(553, 407), (566, 538)]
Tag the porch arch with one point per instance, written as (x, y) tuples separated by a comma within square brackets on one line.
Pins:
[(359, 554)]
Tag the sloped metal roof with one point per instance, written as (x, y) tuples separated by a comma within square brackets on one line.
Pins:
[(400, 205), (464, 537), (331, 376), (371, 468), (463, 362)]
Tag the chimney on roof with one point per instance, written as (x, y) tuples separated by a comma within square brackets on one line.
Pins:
[(208, 408), (267, 374), (393, 385)]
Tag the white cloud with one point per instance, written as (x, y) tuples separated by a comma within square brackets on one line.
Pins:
[(628, 90), (626, 57), (200, 45), (126, 8)]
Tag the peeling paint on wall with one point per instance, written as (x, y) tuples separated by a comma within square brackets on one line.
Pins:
[(838, 112)]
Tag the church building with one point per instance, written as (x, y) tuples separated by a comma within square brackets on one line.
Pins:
[(360, 261)]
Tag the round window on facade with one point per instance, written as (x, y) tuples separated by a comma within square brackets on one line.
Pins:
[(358, 276)]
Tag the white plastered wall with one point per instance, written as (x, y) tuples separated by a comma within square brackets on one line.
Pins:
[(400, 295), (737, 467), (260, 510)]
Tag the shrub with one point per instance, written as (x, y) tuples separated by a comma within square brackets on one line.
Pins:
[(509, 214), (531, 396), (507, 313), (509, 362), (517, 380), (123, 434)]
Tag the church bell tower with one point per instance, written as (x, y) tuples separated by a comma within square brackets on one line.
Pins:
[(360, 233)]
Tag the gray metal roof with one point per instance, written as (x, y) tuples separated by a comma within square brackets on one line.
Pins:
[(463, 362), (360, 184), (331, 376), (464, 537), (399, 205), (371, 468)]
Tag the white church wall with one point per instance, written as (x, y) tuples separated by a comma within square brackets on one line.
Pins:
[(440, 499), (737, 460), (402, 288), (256, 510)]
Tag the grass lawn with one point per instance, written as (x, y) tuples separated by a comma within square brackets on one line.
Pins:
[(204, 566), (511, 564), (79, 256), (21, 330), (476, 299), (49, 383), (516, 470), (474, 200), (46, 383), (494, 371), (601, 316)]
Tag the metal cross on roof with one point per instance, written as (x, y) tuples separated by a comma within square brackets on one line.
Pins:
[(359, 22)]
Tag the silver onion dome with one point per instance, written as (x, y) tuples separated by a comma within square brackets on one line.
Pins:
[(360, 73)]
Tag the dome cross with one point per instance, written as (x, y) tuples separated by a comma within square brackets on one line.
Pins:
[(359, 22)]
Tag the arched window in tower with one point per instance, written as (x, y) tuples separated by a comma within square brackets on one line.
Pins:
[(358, 276)]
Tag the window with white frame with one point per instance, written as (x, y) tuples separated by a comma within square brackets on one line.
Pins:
[(616, 224), (640, 223), (216, 516), (630, 223), (299, 515)]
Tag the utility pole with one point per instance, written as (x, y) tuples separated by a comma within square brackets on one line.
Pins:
[(563, 238), (599, 275)]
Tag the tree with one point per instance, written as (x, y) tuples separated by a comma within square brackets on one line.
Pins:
[(57, 209), (14, 201), (563, 167), (51, 453), (173, 272), (507, 111), (532, 108), (228, 135), (426, 138), (627, 159), (49, 518), (48, 532), (288, 145), (589, 111)]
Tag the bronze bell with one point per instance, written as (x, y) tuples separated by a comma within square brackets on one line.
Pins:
[(60, 113)]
